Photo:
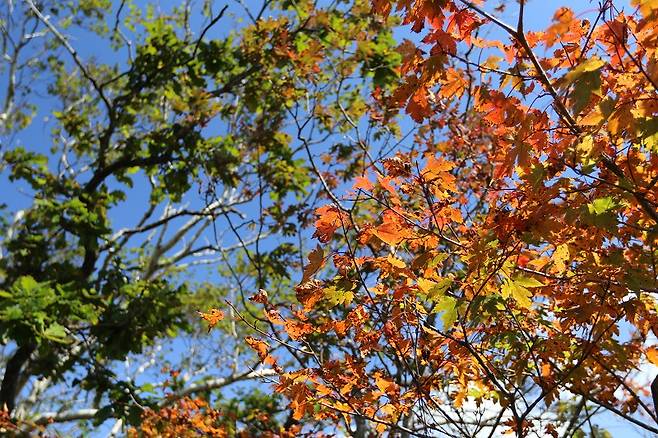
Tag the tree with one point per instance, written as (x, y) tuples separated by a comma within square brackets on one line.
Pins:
[(496, 272), (172, 146)]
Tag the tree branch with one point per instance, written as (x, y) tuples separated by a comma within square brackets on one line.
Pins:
[(208, 385), (72, 51)]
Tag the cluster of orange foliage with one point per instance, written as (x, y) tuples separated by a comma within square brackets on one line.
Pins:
[(187, 418), (509, 257)]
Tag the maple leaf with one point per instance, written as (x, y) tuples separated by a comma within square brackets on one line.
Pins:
[(447, 307), (395, 262), (309, 293), (316, 261), (419, 106), (432, 289), (261, 349), (363, 183), (329, 219), (213, 316), (382, 7), (392, 230), (560, 257), (517, 288), (337, 296), (297, 330)]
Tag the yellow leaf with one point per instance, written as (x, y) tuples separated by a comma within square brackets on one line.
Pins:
[(518, 293), (593, 118), (432, 289), (425, 285), (338, 296), (587, 66), (560, 257), (396, 262), (389, 410), (646, 6), (585, 145)]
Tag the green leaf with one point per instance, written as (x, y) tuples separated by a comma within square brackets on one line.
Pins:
[(528, 282), (26, 284), (439, 289), (591, 65), (56, 332), (648, 132), (338, 296), (601, 205), (586, 79), (447, 306)]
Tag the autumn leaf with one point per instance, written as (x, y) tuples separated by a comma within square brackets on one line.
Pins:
[(392, 230), (315, 261), (260, 297), (560, 257), (396, 262), (388, 233), (213, 316), (337, 296), (261, 349), (425, 285), (363, 183), (447, 307), (601, 205), (588, 66), (432, 289), (419, 106), (309, 293), (297, 330), (517, 289), (329, 219)]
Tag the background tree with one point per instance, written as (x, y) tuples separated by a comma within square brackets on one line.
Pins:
[(177, 166)]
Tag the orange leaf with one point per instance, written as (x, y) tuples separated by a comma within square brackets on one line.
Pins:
[(297, 330), (260, 297), (329, 219), (389, 233), (261, 349), (361, 182), (213, 317)]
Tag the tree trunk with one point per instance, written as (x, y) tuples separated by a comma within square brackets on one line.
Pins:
[(9, 388)]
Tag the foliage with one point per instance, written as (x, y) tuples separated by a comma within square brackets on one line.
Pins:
[(168, 146), (482, 195), (195, 418), (503, 261)]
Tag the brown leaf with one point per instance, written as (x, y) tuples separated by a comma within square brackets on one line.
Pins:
[(315, 262)]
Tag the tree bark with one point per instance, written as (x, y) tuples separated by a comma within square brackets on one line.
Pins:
[(9, 388)]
